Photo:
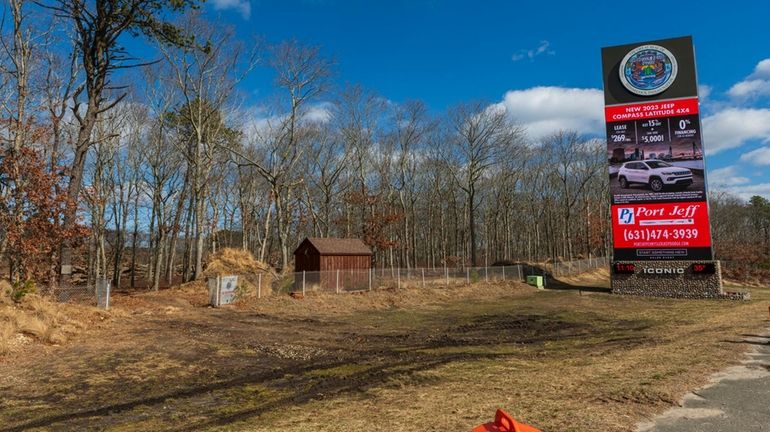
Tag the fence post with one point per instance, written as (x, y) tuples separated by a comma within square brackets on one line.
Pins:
[(486, 274), (370, 280), (107, 300), (259, 287), (467, 275), (446, 271), (423, 278), (398, 278), (518, 271), (503, 273), (218, 290), (303, 283), (338, 281)]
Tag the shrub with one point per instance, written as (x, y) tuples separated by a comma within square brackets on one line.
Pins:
[(21, 289)]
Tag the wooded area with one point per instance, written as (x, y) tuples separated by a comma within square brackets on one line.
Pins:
[(135, 164)]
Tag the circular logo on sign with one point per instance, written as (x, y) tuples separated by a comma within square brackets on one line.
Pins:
[(648, 70)]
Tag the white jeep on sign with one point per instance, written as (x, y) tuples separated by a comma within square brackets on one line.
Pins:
[(654, 173)]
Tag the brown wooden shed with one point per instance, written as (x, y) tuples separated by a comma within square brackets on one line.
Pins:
[(322, 259)]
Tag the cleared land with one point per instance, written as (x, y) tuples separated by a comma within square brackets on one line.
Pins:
[(410, 360)]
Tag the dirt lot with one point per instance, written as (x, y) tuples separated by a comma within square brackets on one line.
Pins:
[(428, 360)]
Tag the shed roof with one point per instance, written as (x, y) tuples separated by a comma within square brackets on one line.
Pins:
[(337, 246)]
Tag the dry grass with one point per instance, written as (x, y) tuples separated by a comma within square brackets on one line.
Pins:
[(639, 357), (7, 333), (429, 359), (231, 261), (236, 261), (39, 319), (328, 304), (599, 277)]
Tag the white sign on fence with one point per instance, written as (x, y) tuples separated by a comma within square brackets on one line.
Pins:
[(222, 290)]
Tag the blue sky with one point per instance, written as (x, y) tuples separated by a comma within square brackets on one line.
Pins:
[(540, 59)]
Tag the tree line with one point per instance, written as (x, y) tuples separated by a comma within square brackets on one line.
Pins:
[(136, 169), (741, 235)]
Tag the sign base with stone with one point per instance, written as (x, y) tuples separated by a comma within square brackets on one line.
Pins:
[(673, 279)]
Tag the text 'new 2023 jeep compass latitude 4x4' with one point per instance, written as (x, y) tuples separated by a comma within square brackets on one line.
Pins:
[(654, 173)]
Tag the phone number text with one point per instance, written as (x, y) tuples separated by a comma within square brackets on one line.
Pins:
[(649, 234)]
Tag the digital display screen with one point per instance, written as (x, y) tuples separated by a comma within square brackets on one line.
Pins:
[(706, 268), (620, 268), (655, 154)]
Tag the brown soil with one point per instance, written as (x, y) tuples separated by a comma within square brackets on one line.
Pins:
[(428, 360)]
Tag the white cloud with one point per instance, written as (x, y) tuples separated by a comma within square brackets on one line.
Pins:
[(259, 120), (542, 48), (319, 113), (755, 85), (762, 70), (745, 192), (727, 176), (750, 89), (704, 91), (543, 110), (733, 127), (760, 156), (241, 6)]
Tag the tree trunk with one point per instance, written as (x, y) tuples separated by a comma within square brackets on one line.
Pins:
[(472, 224)]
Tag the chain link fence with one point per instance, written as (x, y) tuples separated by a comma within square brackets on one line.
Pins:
[(341, 281), (346, 281), (572, 268), (96, 294)]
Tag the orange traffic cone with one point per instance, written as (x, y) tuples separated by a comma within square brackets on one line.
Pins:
[(504, 423)]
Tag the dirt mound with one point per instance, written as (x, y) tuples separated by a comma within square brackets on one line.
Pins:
[(38, 319), (234, 261), (597, 277), (251, 273)]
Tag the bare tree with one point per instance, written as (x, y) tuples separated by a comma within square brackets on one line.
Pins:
[(358, 117), (281, 141), (161, 175), (205, 80), (61, 74), (480, 137), (574, 163), (412, 125), (16, 75), (98, 192), (99, 26), (125, 182), (326, 163)]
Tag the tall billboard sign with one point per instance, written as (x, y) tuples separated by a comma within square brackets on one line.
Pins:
[(655, 152), (660, 220)]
